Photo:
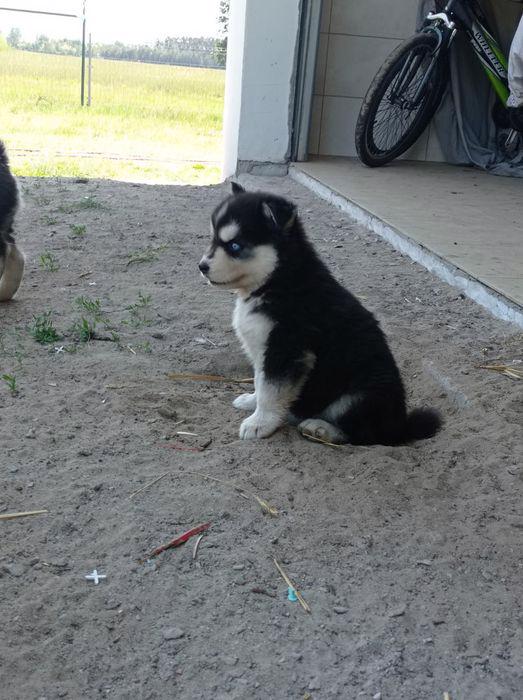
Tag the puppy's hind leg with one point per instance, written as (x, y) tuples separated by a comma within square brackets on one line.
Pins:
[(12, 272), (277, 386), (321, 430)]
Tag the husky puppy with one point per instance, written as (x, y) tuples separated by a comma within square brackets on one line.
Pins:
[(320, 358), (11, 258)]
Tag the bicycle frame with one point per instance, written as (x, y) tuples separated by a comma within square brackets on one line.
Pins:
[(468, 17), (404, 77)]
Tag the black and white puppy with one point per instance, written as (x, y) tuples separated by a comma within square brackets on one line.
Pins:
[(11, 257), (320, 358)]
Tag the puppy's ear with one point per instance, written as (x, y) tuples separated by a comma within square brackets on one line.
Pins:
[(236, 188), (280, 213)]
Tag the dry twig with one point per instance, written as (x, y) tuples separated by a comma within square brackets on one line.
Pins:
[(289, 583), (12, 516), (179, 540), (315, 439), (507, 370), (135, 493)]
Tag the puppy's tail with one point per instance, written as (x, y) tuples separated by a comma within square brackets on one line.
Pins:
[(422, 423), (11, 271)]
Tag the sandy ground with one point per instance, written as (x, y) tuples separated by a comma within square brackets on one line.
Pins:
[(409, 557)]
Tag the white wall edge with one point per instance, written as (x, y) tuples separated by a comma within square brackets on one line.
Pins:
[(499, 306), (233, 87)]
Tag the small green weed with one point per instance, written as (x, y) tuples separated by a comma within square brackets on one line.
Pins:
[(89, 202), (49, 220), (91, 306), (77, 230), (10, 380), (49, 262), (19, 356), (43, 330), (139, 311), (144, 347), (84, 329), (148, 254)]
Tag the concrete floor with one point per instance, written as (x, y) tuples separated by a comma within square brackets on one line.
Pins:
[(464, 216)]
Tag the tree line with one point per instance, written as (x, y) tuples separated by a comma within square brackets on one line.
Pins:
[(203, 52)]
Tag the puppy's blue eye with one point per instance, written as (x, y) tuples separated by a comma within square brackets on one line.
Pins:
[(234, 247)]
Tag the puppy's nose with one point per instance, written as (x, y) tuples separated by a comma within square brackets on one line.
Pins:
[(204, 266)]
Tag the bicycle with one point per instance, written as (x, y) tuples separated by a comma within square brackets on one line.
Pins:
[(408, 88)]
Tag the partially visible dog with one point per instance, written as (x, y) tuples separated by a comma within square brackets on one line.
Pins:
[(12, 260), (320, 358)]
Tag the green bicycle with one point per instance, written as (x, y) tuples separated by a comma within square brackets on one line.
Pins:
[(408, 88)]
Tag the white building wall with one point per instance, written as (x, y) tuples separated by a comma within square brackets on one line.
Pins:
[(259, 88), (233, 83)]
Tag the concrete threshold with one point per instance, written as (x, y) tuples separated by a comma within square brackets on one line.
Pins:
[(437, 217)]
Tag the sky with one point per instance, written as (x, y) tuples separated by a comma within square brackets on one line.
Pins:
[(128, 21)]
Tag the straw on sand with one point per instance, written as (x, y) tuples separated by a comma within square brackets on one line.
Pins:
[(245, 493), (315, 439), (135, 493), (24, 514), (507, 370), (196, 545), (289, 583)]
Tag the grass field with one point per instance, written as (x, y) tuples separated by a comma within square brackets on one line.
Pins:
[(148, 123)]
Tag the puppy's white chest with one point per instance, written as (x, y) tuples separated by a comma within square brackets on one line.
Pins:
[(252, 329)]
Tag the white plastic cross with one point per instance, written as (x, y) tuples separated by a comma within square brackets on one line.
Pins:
[(95, 576)]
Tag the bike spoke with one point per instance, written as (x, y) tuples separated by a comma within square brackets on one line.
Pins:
[(396, 112)]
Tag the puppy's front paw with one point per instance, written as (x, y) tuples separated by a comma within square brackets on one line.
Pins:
[(245, 402), (259, 425)]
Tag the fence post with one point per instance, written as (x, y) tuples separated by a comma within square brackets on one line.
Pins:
[(89, 71), (82, 91)]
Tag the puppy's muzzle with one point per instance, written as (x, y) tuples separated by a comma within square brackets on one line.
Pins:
[(204, 266)]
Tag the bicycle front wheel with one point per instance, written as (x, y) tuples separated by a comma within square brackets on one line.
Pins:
[(401, 100)]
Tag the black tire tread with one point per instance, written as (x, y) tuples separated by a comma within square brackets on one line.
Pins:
[(378, 88)]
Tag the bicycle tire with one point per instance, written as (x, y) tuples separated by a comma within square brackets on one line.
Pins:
[(418, 44)]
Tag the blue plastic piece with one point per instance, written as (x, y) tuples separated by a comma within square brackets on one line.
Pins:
[(291, 595)]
